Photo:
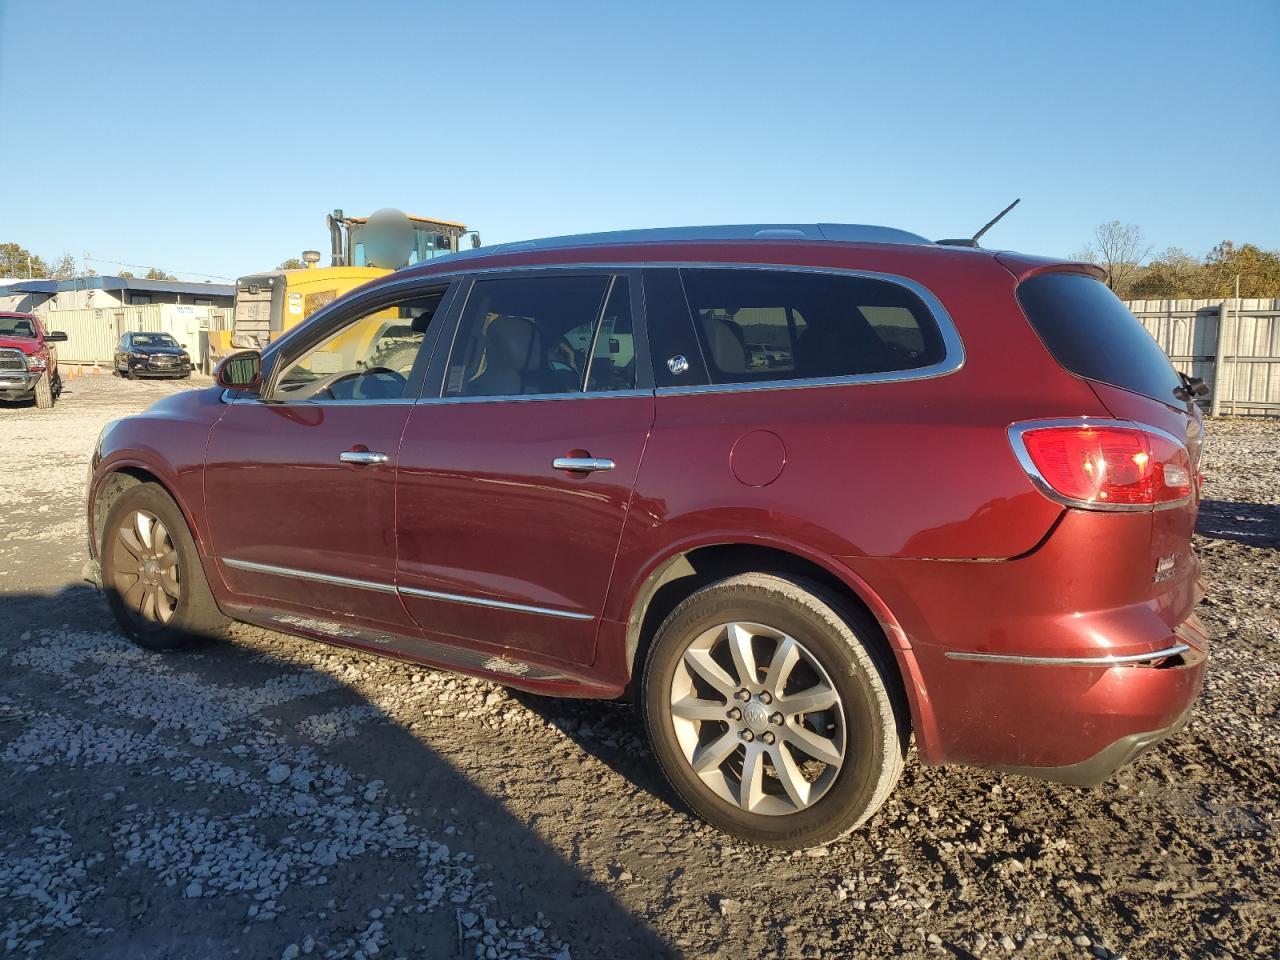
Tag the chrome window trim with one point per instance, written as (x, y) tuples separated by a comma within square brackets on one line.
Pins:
[(376, 587), (495, 604), (953, 348), (592, 395), (1103, 661), (228, 396), (1016, 441), (329, 578)]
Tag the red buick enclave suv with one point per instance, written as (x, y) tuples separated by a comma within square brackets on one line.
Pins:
[(956, 502)]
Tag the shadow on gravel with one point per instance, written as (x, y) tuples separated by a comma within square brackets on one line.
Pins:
[(611, 732), (136, 906), (1253, 524)]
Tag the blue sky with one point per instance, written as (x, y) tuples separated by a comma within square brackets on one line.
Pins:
[(214, 137)]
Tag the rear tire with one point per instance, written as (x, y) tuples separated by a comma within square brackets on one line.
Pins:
[(814, 775), (44, 392), (152, 575)]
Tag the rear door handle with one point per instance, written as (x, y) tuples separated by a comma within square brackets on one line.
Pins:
[(362, 457), (582, 464)]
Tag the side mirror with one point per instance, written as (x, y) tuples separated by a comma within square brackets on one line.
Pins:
[(240, 371), (55, 336), (475, 240)]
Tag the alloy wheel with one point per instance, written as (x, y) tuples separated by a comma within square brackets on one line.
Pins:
[(758, 718), (146, 570)]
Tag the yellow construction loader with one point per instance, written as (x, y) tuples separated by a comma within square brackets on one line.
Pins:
[(361, 248)]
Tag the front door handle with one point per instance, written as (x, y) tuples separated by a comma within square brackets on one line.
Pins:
[(362, 457), (582, 464)]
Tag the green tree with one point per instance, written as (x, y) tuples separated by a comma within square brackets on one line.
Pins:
[(17, 261), (1258, 270), (64, 268), (125, 274), (293, 263), (1170, 275), (155, 273)]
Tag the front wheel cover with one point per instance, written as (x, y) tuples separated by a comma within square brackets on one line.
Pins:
[(809, 744), (152, 575)]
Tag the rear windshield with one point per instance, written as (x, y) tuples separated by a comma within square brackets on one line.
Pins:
[(1091, 333)]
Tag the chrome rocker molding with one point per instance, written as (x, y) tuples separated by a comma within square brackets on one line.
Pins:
[(496, 604), (309, 575), (376, 587), (1104, 661)]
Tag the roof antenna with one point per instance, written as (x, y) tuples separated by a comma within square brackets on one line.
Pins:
[(973, 241)]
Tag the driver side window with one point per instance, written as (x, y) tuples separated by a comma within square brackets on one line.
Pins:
[(369, 358)]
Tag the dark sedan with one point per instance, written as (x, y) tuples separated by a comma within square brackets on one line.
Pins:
[(151, 355)]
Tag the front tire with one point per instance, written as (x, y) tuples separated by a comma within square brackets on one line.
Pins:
[(775, 710), (44, 392), (152, 575)]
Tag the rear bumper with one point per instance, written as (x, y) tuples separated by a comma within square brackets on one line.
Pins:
[(1099, 768), (1046, 665)]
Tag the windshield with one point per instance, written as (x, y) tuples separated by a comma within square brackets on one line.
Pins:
[(17, 327), (153, 340), (427, 242)]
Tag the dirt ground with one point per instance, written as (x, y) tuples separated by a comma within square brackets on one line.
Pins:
[(273, 797)]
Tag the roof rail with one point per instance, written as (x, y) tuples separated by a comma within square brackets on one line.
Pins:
[(842, 232)]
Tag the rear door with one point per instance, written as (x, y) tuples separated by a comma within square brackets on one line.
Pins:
[(300, 484), (516, 478)]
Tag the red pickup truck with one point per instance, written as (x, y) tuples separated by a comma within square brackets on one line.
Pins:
[(28, 364)]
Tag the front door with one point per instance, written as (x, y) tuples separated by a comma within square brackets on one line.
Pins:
[(300, 484), (515, 482)]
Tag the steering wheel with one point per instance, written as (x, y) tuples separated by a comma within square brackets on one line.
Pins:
[(325, 385), (397, 377)]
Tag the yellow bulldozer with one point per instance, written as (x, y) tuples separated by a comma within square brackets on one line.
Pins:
[(361, 248)]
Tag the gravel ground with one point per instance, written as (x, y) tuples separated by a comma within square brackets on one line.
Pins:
[(273, 797)]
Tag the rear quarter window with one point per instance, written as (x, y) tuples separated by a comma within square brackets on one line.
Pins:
[(766, 325), (1093, 335)]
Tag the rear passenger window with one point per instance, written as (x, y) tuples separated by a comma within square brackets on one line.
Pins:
[(762, 325)]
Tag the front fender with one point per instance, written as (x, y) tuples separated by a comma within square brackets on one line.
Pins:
[(165, 444)]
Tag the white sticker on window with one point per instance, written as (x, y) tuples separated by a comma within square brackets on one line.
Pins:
[(456, 374)]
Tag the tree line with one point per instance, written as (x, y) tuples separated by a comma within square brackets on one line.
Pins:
[(19, 263), (1134, 273)]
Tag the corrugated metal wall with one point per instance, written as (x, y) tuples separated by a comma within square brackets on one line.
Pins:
[(1239, 358), (92, 333)]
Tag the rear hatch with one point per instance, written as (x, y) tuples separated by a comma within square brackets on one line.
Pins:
[(1094, 336)]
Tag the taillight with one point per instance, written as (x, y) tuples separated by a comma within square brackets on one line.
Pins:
[(1103, 465)]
